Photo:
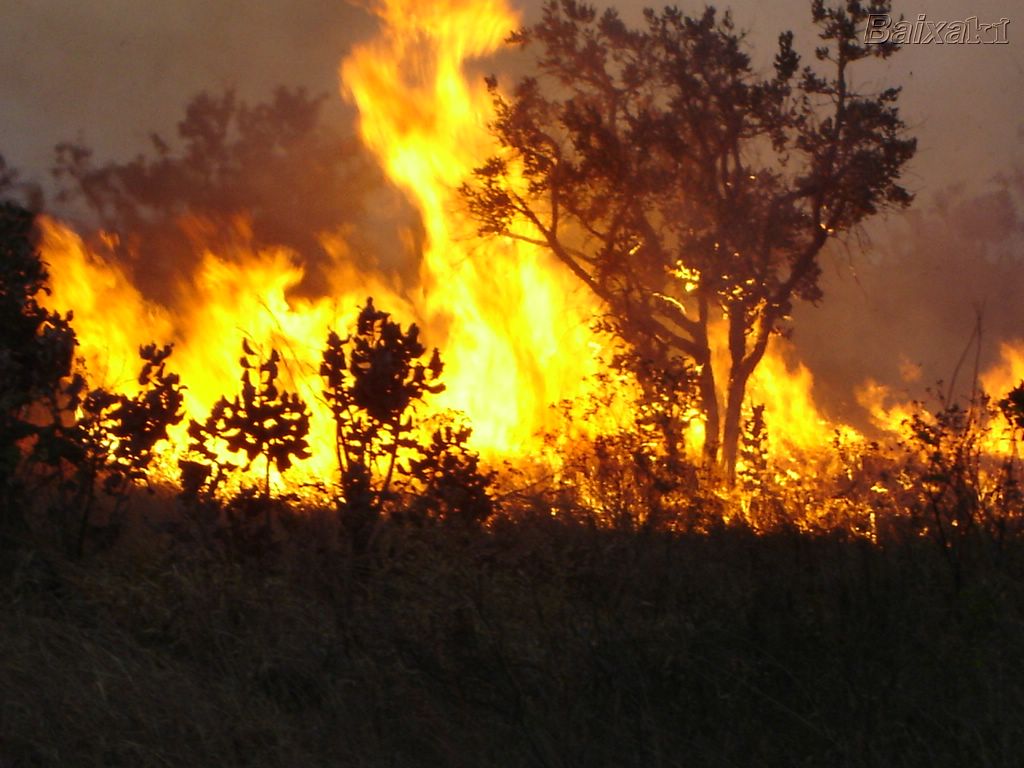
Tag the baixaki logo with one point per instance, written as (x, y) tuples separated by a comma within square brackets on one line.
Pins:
[(883, 28)]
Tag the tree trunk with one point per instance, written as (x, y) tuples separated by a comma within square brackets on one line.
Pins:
[(709, 404), (733, 422), (742, 365)]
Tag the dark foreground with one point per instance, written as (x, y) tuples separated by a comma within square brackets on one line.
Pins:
[(540, 644)]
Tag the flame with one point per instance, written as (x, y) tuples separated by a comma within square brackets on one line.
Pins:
[(887, 412), (1008, 372), (893, 415), (513, 327), (111, 317), (518, 336), (795, 423), (512, 324)]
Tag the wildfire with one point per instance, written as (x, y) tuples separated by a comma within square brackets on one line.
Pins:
[(516, 325), (513, 326)]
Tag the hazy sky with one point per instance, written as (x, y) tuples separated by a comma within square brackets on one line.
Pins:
[(112, 71)]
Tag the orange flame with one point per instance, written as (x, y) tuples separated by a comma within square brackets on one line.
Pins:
[(517, 324), (513, 325)]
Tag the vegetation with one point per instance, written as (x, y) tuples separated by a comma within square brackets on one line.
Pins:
[(261, 422), (415, 607), (374, 380), (682, 188), (36, 348), (279, 165), (623, 616), (538, 643)]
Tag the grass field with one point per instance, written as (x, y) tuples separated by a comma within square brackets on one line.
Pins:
[(538, 643)]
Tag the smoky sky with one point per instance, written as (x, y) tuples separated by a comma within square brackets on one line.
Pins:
[(108, 73), (112, 71)]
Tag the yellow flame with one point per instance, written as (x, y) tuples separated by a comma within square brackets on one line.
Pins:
[(1008, 372), (517, 335), (512, 327), (512, 324), (795, 423)]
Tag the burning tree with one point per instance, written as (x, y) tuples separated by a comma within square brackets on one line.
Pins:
[(691, 195)]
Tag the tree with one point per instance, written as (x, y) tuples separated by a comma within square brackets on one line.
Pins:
[(684, 189), (373, 381), (51, 428), (278, 163), (370, 391), (36, 347), (110, 441), (261, 422)]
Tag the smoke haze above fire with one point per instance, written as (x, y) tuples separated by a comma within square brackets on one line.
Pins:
[(109, 74), (113, 72)]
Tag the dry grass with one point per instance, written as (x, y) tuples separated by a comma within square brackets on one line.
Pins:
[(538, 644)]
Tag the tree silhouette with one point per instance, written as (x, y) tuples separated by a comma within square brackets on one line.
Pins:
[(451, 483), (36, 349), (682, 188), (260, 422), (48, 419), (370, 391), (1012, 406), (374, 380), (112, 440), (278, 163)]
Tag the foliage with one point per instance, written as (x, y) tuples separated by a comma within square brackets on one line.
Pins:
[(954, 489), (1012, 407), (374, 380), (533, 643), (111, 443), (635, 472), (447, 481), (36, 350), (279, 163), (684, 189), (259, 422)]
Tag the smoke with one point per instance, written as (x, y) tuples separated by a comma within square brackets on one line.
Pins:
[(111, 73)]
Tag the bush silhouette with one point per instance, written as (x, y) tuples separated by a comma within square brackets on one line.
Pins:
[(373, 382), (260, 422), (36, 352), (112, 442)]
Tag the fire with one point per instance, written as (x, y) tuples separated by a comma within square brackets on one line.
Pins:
[(893, 415), (513, 325), (786, 389), (517, 324), (1008, 372), (240, 292), (111, 317)]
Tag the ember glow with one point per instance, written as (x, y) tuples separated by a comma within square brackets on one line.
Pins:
[(513, 326)]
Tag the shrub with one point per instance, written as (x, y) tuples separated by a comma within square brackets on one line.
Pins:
[(373, 382)]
